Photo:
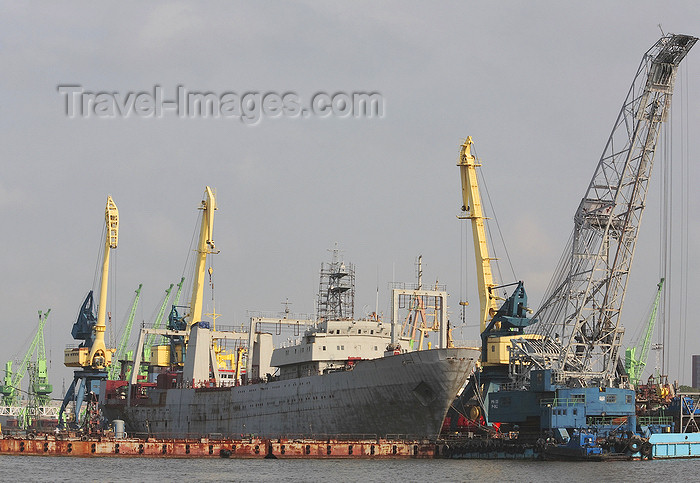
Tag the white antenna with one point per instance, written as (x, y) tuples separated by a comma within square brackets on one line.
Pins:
[(376, 303)]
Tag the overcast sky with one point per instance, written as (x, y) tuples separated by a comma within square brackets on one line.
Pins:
[(537, 84)]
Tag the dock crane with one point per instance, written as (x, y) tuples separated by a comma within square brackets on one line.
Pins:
[(115, 368), (153, 353), (92, 356), (500, 320), (572, 376), (40, 388), (498, 323), (205, 247), (179, 327), (150, 340), (12, 381), (636, 357), (587, 292)]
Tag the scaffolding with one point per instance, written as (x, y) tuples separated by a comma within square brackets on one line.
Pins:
[(336, 292)]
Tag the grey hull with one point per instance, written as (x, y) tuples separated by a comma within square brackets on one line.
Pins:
[(405, 394)]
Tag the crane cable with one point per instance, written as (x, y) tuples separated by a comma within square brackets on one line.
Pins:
[(670, 240), (685, 177), (685, 252)]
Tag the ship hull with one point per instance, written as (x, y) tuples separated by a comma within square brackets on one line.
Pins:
[(405, 394)]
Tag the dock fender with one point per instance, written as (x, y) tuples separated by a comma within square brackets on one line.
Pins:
[(647, 450), (635, 444)]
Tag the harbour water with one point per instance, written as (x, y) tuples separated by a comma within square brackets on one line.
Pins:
[(38, 468)]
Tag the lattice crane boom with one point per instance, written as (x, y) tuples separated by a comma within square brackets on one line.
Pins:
[(636, 357), (124, 341), (10, 391), (151, 338), (587, 293)]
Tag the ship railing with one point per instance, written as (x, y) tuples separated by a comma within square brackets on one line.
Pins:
[(259, 314), (440, 287), (232, 328), (469, 343), (193, 437), (561, 402), (315, 437), (405, 437), (605, 420), (512, 386), (652, 420), (11, 410)]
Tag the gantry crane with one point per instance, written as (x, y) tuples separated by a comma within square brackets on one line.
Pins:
[(120, 355), (92, 356), (636, 357)]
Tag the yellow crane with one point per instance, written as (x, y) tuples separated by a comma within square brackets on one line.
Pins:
[(471, 199), (204, 248), (100, 357), (498, 325), (92, 357)]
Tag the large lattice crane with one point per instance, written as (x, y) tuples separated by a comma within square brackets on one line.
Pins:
[(581, 311)]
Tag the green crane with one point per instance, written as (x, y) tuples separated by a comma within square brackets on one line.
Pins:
[(635, 365), (115, 368), (151, 338), (11, 384), (40, 387)]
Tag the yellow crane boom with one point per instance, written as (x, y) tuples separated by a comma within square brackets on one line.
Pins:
[(498, 324), (471, 199), (99, 356), (205, 247)]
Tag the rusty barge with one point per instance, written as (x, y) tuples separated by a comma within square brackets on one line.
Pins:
[(57, 445)]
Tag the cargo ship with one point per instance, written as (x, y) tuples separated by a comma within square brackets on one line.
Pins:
[(344, 376), (402, 394)]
